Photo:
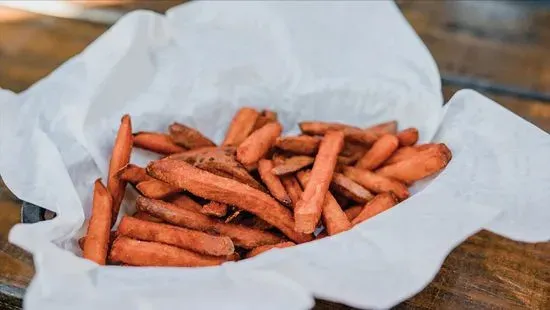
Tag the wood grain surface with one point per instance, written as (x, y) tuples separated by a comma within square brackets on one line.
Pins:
[(502, 42)]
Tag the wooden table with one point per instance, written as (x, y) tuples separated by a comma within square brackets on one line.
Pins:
[(499, 48)]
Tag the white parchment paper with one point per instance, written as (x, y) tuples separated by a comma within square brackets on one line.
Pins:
[(355, 62)]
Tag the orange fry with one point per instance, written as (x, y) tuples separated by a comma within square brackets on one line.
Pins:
[(82, 240), (308, 210), (231, 192), (384, 128), (292, 164), (301, 145), (351, 133), (293, 188), (273, 183), (96, 245), (334, 218), (185, 202), (188, 137), (258, 143), (133, 174), (376, 183), (156, 142), (120, 157), (422, 165), (184, 238), (353, 212), (215, 208), (241, 126), (408, 136), (241, 236), (147, 217), (266, 116), (379, 204), (156, 189), (381, 150), (264, 248), (402, 153), (145, 253), (348, 188)]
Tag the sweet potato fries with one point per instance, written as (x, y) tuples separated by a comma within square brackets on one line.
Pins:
[(203, 204)]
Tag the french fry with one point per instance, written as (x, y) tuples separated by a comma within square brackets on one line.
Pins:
[(353, 150), (423, 164), (147, 217), (156, 142), (408, 137), (82, 240), (308, 210), (293, 188), (379, 204), (133, 174), (266, 116), (351, 133), (273, 183), (402, 153), (120, 157), (215, 208), (185, 202), (384, 128), (213, 187), (241, 236), (377, 183), (381, 150), (353, 212), (241, 126), (184, 238), (188, 137), (300, 145), (145, 253), (334, 218), (156, 189), (264, 248), (96, 245), (348, 188), (258, 143), (292, 164)]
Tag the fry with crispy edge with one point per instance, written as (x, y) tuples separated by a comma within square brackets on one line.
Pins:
[(241, 236), (147, 217), (350, 189), (241, 126), (188, 137), (377, 183), (133, 174), (273, 183), (408, 136), (351, 133), (185, 202), (184, 238), (120, 157), (264, 248), (215, 208), (258, 143), (334, 218), (213, 187), (156, 189), (145, 253), (293, 188), (353, 212), (384, 128), (379, 204), (423, 164), (96, 245), (292, 164), (381, 150), (300, 145), (308, 210), (156, 142)]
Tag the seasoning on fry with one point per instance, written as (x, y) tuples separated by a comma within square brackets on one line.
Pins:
[(156, 189), (258, 143), (300, 145), (408, 137), (97, 238), (185, 202), (348, 188), (188, 137), (379, 204), (292, 164), (120, 157), (147, 217), (273, 183), (213, 187), (293, 188), (308, 210), (156, 142), (351, 133), (184, 238), (381, 150), (133, 174), (264, 248), (377, 183), (241, 126), (215, 208)]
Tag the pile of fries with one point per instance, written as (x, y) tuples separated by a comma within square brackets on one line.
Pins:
[(203, 204)]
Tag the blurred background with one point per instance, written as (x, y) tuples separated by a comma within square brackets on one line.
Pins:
[(500, 48)]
